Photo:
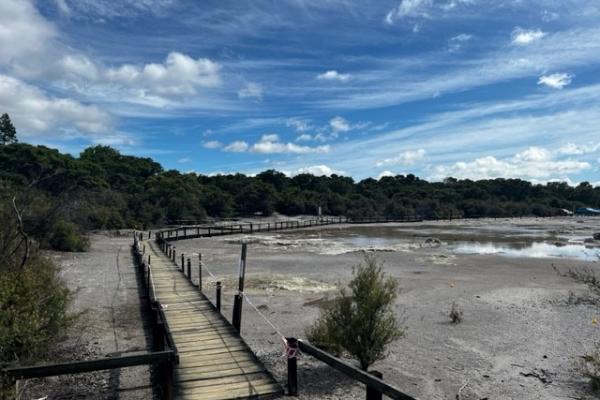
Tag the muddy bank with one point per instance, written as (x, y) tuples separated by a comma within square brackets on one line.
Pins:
[(517, 317)]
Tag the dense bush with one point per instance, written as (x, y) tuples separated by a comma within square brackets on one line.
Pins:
[(363, 322), (33, 299), (66, 238), (33, 309)]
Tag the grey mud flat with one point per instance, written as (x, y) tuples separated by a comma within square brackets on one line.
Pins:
[(518, 329)]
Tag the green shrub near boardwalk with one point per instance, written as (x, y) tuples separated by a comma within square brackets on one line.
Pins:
[(66, 238), (33, 309), (363, 322)]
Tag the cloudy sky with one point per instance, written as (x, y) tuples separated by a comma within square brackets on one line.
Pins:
[(463, 88)]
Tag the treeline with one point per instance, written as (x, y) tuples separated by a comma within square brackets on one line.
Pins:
[(103, 189)]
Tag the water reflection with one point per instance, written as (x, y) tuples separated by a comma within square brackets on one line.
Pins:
[(536, 250)]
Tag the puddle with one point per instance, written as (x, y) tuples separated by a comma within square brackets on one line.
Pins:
[(449, 241), (533, 250)]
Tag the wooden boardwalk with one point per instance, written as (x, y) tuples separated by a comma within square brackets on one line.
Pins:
[(214, 361)]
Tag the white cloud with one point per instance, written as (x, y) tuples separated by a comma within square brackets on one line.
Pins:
[(299, 124), (573, 149), (408, 157), (523, 37), (184, 160), (212, 144), (318, 170), (339, 124), (114, 140), (555, 81), (548, 16), (533, 164), (34, 112), (75, 66), (270, 143), (180, 74), (305, 137), (455, 43), (408, 8), (333, 76), (238, 146), (385, 173), (270, 137), (251, 91), (25, 36)]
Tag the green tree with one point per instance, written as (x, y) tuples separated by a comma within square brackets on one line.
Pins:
[(8, 133), (363, 322)]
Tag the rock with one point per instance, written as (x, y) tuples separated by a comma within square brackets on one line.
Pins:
[(597, 236), (431, 242)]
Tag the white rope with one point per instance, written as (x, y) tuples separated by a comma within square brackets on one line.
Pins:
[(209, 272), (245, 296)]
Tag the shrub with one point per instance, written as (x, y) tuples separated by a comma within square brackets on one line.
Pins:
[(33, 309), (66, 238), (590, 368), (455, 313), (362, 323)]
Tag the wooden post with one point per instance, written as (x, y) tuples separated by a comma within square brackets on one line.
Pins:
[(173, 254), (148, 281), (292, 365), (182, 262), (372, 393), (242, 270), (236, 318), (209, 231), (144, 249), (219, 296), (238, 298), (251, 228), (148, 259), (189, 269), (200, 271), (166, 372)]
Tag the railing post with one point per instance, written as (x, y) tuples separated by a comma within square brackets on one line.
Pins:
[(238, 299), (372, 393), (148, 259), (200, 271), (167, 380), (218, 296), (189, 269), (236, 318), (292, 365), (173, 254), (182, 262)]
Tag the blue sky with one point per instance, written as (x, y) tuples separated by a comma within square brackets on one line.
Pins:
[(464, 88)]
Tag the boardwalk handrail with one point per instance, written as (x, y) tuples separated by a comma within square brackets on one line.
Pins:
[(204, 230), (75, 367), (353, 372)]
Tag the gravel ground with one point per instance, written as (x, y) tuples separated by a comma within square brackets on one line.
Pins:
[(110, 323), (517, 322)]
